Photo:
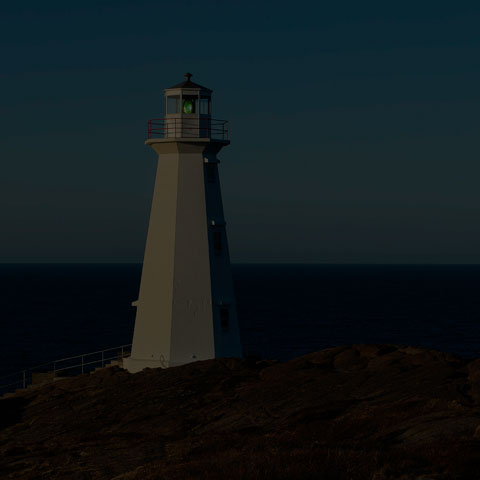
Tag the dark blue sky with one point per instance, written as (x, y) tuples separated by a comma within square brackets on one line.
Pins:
[(354, 126)]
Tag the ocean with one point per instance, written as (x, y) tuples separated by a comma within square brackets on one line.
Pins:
[(52, 311)]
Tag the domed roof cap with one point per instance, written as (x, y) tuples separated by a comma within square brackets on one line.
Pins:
[(189, 84)]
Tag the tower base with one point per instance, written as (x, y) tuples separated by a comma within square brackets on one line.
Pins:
[(134, 365)]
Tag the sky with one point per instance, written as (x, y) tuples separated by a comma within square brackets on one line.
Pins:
[(354, 126)]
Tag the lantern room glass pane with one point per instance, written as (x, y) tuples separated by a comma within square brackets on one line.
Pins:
[(173, 104), (205, 106), (189, 104)]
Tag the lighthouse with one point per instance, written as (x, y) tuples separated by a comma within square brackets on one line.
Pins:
[(185, 310)]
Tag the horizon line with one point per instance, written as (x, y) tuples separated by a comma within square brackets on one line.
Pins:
[(248, 263)]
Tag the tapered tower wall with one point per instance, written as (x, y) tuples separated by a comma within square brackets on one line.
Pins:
[(227, 337), (192, 330), (151, 338), (186, 280)]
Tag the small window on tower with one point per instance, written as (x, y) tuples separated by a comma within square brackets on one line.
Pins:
[(211, 174), (217, 241), (173, 104), (224, 318)]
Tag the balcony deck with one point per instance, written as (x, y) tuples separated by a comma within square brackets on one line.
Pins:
[(174, 128)]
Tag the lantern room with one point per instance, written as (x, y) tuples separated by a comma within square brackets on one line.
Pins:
[(188, 114), (188, 99), (187, 110)]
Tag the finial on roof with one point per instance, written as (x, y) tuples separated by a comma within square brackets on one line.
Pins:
[(187, 83)]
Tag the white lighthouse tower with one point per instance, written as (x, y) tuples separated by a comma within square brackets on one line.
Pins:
[(186, 306)]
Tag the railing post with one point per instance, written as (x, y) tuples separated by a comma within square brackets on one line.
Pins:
[(24, 379), (82, 364), (102, 358), (54, 365), (122, 351)]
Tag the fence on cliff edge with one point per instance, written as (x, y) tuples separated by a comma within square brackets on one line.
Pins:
[(64, 367)]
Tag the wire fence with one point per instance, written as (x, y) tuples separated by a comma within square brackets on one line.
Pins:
[(64, 367)]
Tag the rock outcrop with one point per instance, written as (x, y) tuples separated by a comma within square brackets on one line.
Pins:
[(373, 412)]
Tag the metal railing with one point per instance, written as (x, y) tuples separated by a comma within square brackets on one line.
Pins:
[(188, 128), (61, 368)]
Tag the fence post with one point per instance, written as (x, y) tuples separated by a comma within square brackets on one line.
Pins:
[(24, 379), (102, 358), (82, 364), (122, 351), (54, 365)]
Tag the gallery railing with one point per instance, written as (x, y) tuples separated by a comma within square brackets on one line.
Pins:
[(188, 128), (64, 367)]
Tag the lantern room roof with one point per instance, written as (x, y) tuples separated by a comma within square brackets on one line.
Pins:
[(189, 84)]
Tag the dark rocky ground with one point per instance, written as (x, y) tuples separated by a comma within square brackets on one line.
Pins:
[(355, 412)]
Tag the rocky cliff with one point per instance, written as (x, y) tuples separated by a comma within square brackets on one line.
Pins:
[(357, 412)]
